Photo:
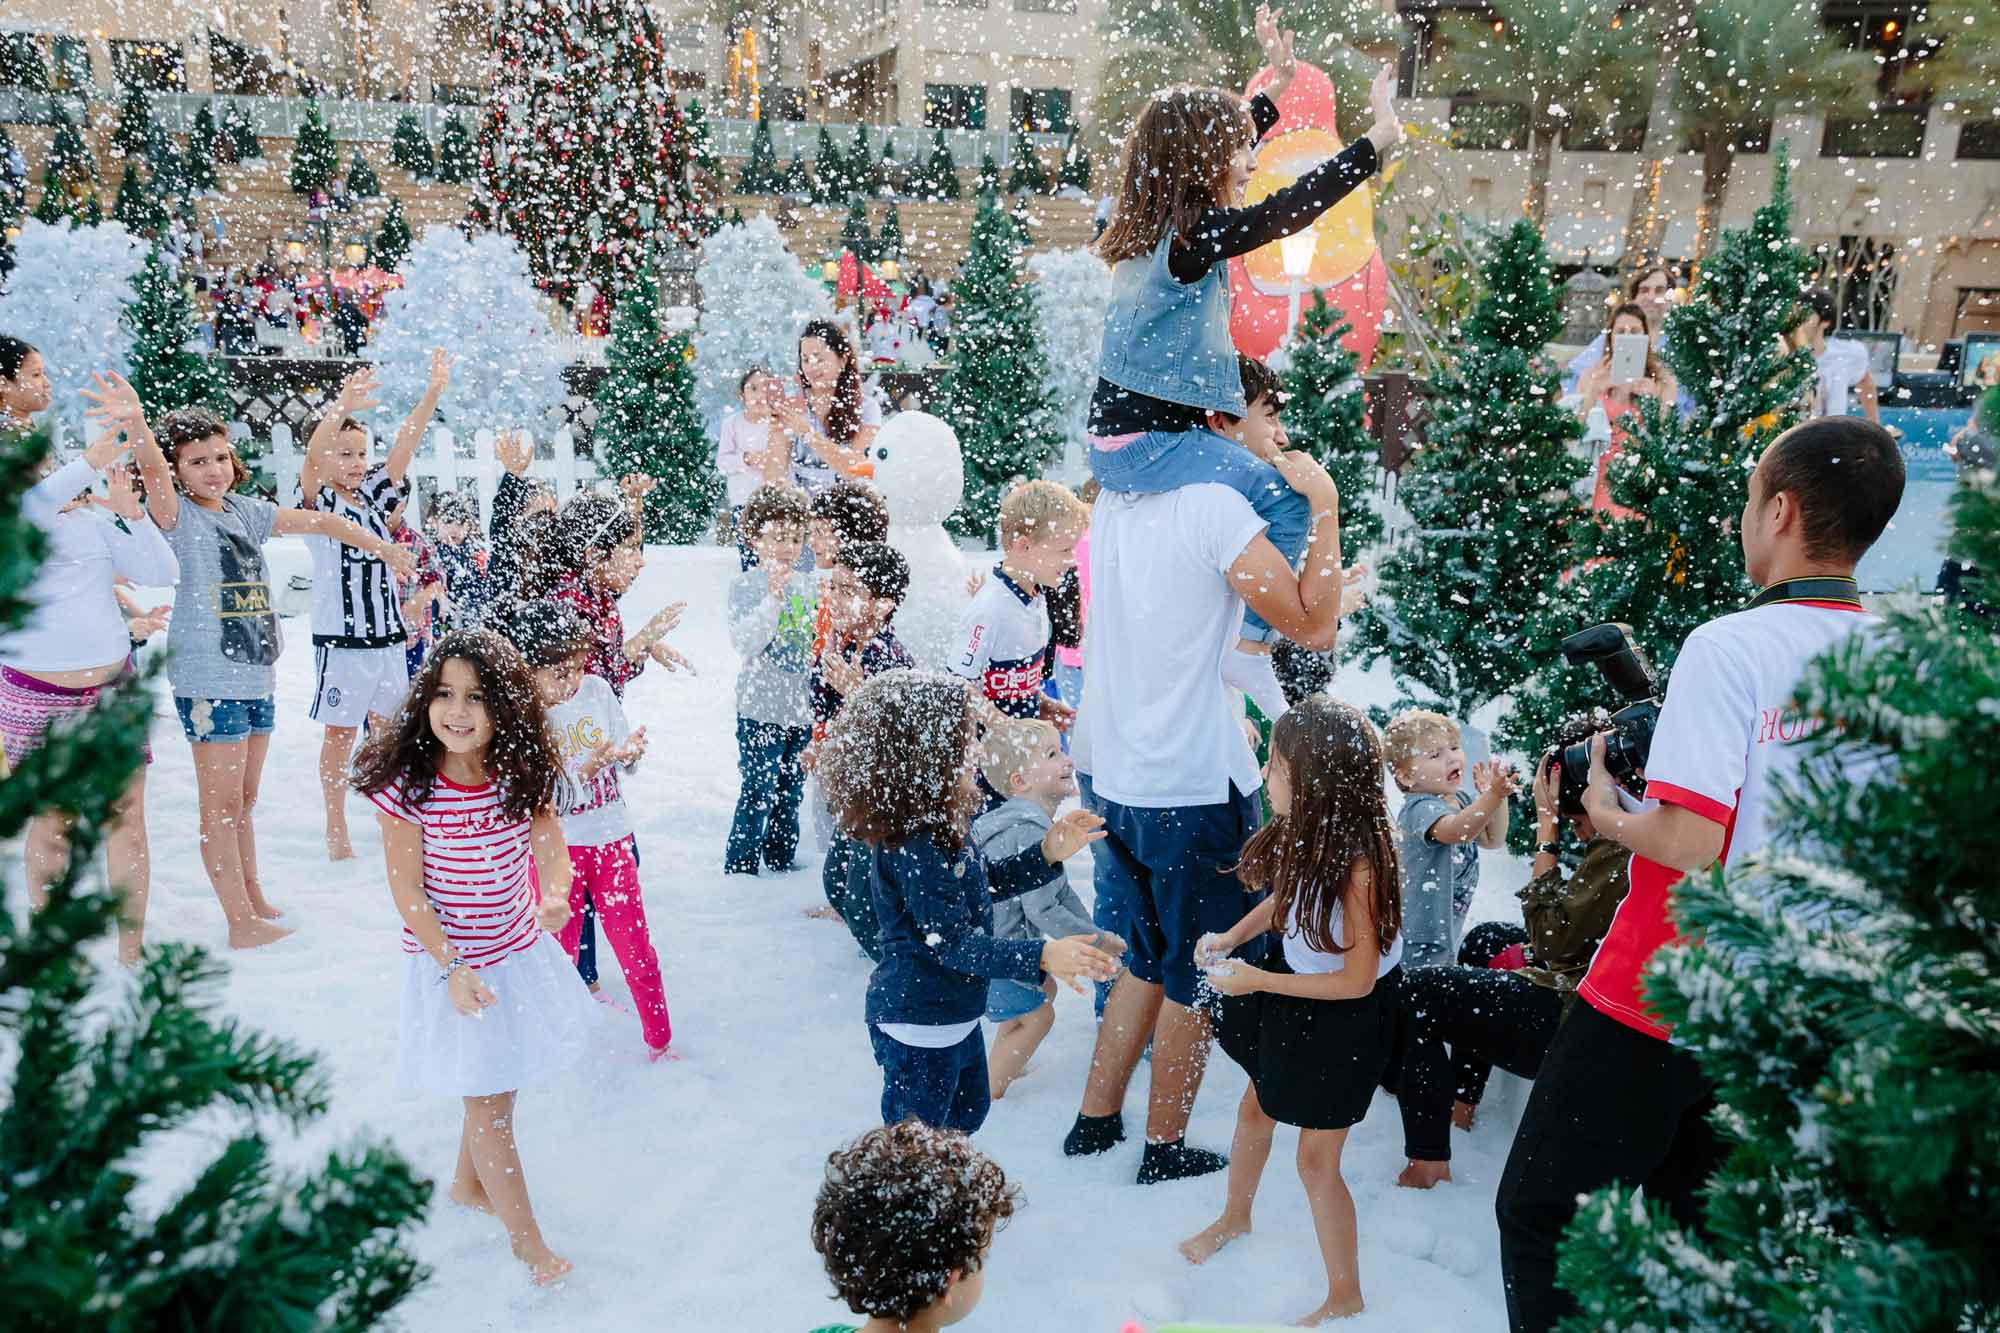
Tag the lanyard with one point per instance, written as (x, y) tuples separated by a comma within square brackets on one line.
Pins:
[(1843, 591)]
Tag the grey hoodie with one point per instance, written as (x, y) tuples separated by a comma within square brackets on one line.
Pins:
[(1053, 910)]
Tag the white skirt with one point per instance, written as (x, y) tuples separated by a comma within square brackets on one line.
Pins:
[(538, 1026)]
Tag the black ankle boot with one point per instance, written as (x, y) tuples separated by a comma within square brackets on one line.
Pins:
[(1177, 1161), (1094, 1134)]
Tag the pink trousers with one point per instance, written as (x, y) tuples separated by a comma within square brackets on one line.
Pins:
[(609, 877)]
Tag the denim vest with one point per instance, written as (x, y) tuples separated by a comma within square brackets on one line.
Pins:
[(1169, 339)]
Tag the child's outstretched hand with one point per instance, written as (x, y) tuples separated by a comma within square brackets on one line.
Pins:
[(1070, 835), (664, 620), (1277, 47), (515, 451), (468, 993), (670, 658), (357, 394), (440, 378), (401, 560), (1110, 943), (1492, 774), (144, 626), (1211, 949), (120, 497), (1074, 960), (1235, 977), (1056, 713), (114, 403), (1353, 593), (1387, 131)]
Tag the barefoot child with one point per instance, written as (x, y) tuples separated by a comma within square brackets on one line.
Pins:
[(224, 639), (1442, 830), (1023, 759), (903, 1222), (359, 635), (899, 782), (596, 744), (464, 780), (1315, 1030)]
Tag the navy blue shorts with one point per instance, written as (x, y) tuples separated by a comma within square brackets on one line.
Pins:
[(943, 1086), (1170, 868)]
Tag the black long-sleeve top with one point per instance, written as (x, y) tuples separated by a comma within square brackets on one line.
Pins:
[(1220, 235)]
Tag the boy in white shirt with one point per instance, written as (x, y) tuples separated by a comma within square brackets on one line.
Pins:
[(1002, 641)]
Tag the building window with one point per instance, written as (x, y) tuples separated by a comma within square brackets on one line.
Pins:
[(1979, 140), (785, 103), (954, 106), (1895, 127), (21, 64), (1488, 126), (1619, 132), (1895, 130), (457, 94), (72, 65), (1040, 111), (156, 67), (1045, 6), (237, 69), (1747, 139)]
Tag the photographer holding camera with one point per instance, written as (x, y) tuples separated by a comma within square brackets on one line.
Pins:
[(1616, 1102)]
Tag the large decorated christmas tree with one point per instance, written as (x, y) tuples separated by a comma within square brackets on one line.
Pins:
[(582, 154), (1489, 495), (647, 421), (102, 1080), (996, 395), (1677, 563), (1325, 415), (1845, 997), (160, 320)]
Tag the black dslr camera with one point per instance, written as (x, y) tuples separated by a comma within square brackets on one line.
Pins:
[(1625, 669)]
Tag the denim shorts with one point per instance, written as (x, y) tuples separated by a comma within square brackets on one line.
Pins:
[(1007, 1000), (222, 721)]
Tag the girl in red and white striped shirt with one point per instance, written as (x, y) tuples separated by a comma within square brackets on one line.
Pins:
[(464, 782)]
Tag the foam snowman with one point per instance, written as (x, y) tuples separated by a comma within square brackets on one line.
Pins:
[(921, 476)]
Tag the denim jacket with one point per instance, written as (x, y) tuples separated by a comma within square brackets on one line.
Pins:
[(1169, 339), (938, 946)]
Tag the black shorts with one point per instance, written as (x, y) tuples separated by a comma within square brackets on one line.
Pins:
[(1315, 1063)]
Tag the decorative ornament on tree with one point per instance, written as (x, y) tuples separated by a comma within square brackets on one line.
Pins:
[(160, 320), (996, 396), (647, 421), (1491, 491), (66, 297), (747, 267), (583, 153), (475, 298)]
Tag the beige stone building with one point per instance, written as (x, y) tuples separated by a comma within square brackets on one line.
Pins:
[(1910, 217)]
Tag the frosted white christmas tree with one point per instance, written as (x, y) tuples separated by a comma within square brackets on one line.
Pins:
[(755, 298), (1072, 289), (475, 299), (68, 289)]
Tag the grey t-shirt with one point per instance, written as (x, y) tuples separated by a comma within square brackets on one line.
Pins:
[(1437, 877), (224, 636)]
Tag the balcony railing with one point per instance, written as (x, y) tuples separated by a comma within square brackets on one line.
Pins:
[(348, 119)]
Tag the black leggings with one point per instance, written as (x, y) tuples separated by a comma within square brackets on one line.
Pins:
[(1459, 1022)]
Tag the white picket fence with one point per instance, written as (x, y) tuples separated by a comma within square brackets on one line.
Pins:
[(447, 463)]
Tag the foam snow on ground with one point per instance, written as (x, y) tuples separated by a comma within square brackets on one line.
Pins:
[(683, 1191)]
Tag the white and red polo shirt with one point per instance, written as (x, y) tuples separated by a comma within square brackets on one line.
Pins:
[(1003, 643), (1726, 734)]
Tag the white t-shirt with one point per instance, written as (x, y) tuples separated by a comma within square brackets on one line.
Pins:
[(1722, 743), (1156, 727), (593, 814), (1002, 642), (1842, 365), (1307, 961)]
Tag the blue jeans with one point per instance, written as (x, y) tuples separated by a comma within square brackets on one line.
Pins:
[(945, 1087), (766, 827), (1169, 460), (225, 721)]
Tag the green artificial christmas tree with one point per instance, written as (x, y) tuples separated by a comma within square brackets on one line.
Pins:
[(829, 181), (13, 188), (760, 173), (854, 235), (996, 396), (198, 166), (889, 243), (1845, 997), (864, 173), (989, 177), (242, 136), (797, 181), (69, 177), (1679, 563), (136, 208), (135, 118), (409, 149), (1490, 495), (647, 420), (21, 65), (940, 173), (1025, 173), (392, 244), (1325, 415), (94, 1089), (701, 143), (314, 159), (583, 150), (888, 170), (168, 170), (1074, 173), (213, 130), (361, 180), (457, 159), (160, 320)]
